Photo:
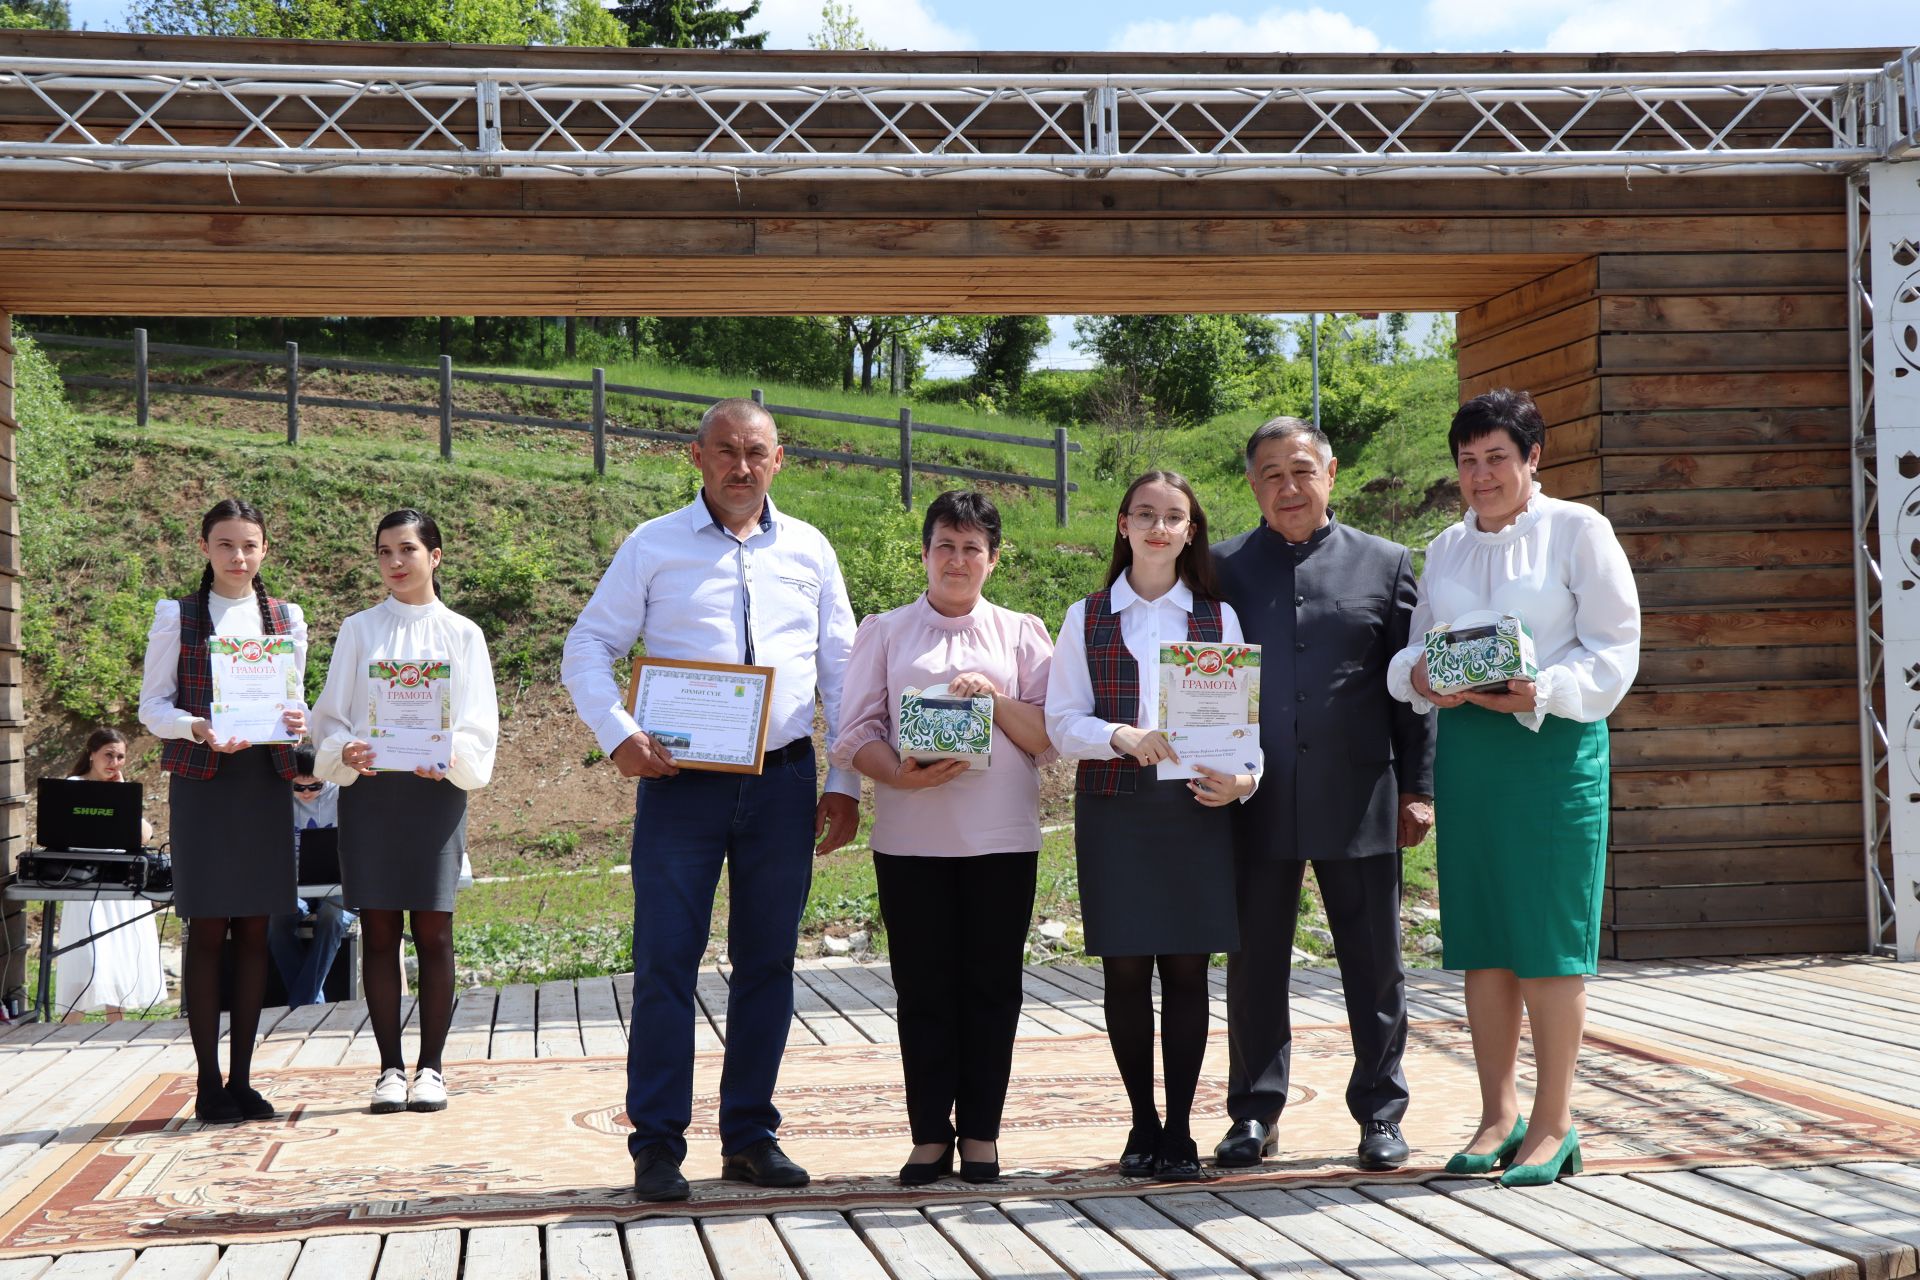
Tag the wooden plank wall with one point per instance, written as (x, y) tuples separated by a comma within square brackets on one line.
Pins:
[(13, 812), (1700, 401)]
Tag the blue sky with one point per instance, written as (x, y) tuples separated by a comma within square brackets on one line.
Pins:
[(1243, 26)]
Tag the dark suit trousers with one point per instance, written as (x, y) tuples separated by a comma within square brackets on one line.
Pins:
[(1362, 897), (957, 935)]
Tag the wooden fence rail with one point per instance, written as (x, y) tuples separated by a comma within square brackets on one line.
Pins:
[(444, 409)]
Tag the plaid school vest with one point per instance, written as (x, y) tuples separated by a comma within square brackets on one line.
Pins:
[(193, 690), (1116, 685)]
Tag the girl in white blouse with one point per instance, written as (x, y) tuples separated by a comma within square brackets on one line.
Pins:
[(403, 835), (1521, 774)]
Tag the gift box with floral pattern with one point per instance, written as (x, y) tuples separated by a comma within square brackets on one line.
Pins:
[(1480, 651), (935, 725)]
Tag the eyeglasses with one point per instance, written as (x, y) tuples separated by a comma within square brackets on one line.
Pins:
[(304, 787), (1145, 518)]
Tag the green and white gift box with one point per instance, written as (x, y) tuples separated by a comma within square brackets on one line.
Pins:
[(935, 725), (1481, 650)]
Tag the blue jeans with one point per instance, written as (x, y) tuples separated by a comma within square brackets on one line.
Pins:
[(304, 965), (684, 828)]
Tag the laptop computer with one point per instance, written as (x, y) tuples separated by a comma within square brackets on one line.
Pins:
[(82, 816), (319, 854)]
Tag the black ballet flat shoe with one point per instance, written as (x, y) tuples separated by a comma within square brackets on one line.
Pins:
[(1143, 1144), (922, 1173), (216, 1106), (252, 1105), (1178, 1160), (978, 1171)]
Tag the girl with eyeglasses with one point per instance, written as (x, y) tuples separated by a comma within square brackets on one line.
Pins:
[(230, 820), (1155, 857), (403, 835)]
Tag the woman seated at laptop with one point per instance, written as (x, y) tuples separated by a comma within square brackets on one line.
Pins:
[(305, 962), (120, 969)]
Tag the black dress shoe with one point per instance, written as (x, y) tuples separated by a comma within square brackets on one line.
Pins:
[(1381, 1146), (215, 1106), (1178, 1160), (656, 1174), (978, 1171), (763, 1164), (252, 1105), (1246, 1144), (923, 1173), (1142, 1146)]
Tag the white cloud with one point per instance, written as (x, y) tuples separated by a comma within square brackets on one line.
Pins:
[(1314, 30), (1455, 20), (1656, 24), (890, 24)]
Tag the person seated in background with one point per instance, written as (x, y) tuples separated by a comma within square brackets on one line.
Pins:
[(120, 967), (304, 941)]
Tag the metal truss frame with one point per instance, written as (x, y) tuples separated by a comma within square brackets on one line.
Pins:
[(177, 118)]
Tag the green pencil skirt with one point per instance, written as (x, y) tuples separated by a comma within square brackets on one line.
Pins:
[(1521, 828)]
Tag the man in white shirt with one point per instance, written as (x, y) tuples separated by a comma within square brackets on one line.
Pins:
[(726, 579)]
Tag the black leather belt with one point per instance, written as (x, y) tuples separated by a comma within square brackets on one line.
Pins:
[(795, 750)]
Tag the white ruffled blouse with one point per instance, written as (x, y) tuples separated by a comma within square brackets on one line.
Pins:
[(392, 630), (1559, 568)]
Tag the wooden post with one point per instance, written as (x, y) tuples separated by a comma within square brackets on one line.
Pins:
[(759, 397), (599, 422), (1060, 476), (446, 408), (293, 393), (140, 376), (906, 457), (13, 809)]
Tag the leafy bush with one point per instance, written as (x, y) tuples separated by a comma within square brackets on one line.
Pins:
[(501, 582), (879, 558)]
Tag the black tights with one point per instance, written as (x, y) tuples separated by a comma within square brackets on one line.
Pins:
[(200, 985), (380, 973), (1183, 1032)]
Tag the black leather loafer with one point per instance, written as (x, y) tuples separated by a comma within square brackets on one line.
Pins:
[(763, 1164), (215, 1106), (252, 1105), (657, 1176), (1246, 1144), (1381, 1146)]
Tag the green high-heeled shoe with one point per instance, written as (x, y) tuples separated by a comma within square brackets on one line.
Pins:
[(1566, 1160), (1502, 1156)]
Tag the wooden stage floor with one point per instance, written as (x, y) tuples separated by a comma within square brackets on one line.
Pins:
[(1847, 1023)]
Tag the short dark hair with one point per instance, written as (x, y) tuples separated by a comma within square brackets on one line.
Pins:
[(1502, 410), (963, 509), (1282, 427), (303, 759)]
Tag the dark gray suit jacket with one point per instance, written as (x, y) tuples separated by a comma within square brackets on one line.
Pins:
[(1329, 614)]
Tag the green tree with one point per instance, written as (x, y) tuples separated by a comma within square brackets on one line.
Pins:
[(839, 29), (689, 24), (456, 21), (36, 15), (1002, 348), (1192, 367)]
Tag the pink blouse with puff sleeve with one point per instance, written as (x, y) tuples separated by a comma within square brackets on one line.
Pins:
[(991, 810)]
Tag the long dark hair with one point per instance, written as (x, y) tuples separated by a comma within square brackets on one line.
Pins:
[(429, 534), (1195, 565), (234, 509), (97, 739)]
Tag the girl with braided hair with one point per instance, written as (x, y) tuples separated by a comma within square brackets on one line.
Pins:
[(231, 803)]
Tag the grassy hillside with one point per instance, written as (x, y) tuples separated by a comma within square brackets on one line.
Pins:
[(108, 521)]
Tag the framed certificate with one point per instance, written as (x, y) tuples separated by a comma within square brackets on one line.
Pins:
[(709, 715)]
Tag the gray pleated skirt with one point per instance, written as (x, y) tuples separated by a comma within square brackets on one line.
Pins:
[(401, 840), (1156, 872), (231, 837)]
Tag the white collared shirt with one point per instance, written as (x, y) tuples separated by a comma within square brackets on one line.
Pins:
[(676, 584), (1076, 732)]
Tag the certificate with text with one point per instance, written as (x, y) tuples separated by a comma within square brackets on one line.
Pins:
[(256, 680), (1210, 706), (708, 715), (410, 713)]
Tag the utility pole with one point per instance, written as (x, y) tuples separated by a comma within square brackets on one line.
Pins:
[(1313, 318)]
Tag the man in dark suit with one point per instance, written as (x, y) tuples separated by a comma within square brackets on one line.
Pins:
[(1348, 785)]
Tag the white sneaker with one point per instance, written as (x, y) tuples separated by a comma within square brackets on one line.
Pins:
[(390, 1094), (429, 1092)]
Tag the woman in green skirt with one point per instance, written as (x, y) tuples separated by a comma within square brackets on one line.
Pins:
[(1521, 774)]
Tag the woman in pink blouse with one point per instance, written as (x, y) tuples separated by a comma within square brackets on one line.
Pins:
[(955, 848)]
